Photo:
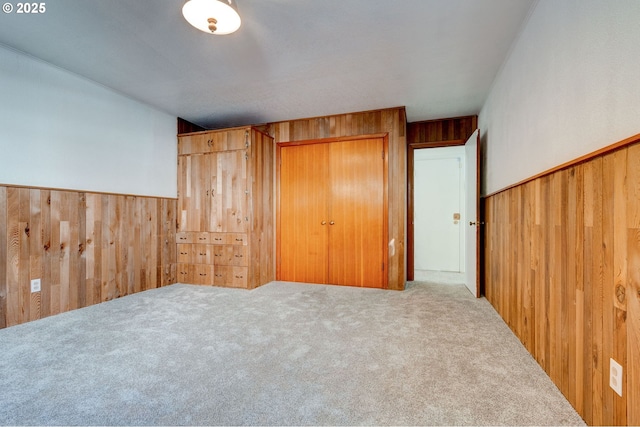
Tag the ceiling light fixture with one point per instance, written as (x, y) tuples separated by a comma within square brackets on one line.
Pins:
[(212, 16)]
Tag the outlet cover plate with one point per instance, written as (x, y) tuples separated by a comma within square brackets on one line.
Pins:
[(35, 285), (615, 376)]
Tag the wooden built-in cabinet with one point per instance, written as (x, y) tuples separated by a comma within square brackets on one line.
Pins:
[(225, 208)]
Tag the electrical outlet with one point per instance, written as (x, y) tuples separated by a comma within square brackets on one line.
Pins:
[(615, 376), (35, 285)]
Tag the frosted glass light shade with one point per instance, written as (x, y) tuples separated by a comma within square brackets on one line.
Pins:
[(225, 13)]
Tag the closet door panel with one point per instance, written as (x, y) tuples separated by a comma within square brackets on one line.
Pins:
[(229, 211), (303, 213), (356, 236), (193, 181)]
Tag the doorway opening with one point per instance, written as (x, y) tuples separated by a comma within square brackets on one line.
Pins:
[(457, 224), (439, 214)]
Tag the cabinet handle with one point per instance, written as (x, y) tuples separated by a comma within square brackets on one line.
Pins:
[(238, 256), (332, 222), (202, 238), (239, 277), (203, 274), (323, 223), (238, 240)]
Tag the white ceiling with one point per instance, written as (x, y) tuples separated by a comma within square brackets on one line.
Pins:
[(290, 59)]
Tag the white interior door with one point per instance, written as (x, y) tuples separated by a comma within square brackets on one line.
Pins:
[(472, 221), (438, 204)]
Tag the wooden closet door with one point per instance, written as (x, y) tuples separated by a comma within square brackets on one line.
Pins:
[(303, 223), (194, 182), (356, 233), (229, 203)]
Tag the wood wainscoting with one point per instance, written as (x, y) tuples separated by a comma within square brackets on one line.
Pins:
[(85, 247), (563, 270), (392, 123)]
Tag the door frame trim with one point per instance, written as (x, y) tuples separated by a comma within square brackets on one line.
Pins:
[(385, 196)]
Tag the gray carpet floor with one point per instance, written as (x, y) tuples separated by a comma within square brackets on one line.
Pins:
[(283, 354)]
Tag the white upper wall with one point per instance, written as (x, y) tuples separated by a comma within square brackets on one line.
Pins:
[(570, 86), (59, 130)]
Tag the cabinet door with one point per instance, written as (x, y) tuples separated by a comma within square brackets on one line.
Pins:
[(194, 192), (202, 274), (184, 273), (356, 213), (229, 204), (236, 139), (303, 222), (235, 277), (202, 254), (184, 254), (196, 143)]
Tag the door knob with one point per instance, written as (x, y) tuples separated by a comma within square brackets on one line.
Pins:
[(472, 223), (332, 222), (323, 223)]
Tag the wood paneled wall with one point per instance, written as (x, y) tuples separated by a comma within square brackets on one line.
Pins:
[(85, 247), (563, 270), (390, 121), (430, 131), (185, 126), (262, 268)]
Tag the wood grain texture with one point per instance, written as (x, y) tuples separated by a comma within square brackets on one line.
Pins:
[(3, 257), (304, 211), (85, 247), (433, 132), (356, 212), (577, 303), (332, 204), (262, 210), (226, 186), (185, 126), (633, 292), (391, 122)]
